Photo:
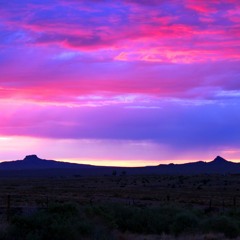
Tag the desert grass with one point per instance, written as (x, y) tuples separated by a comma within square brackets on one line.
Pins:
[(128, 207), (209, 236)]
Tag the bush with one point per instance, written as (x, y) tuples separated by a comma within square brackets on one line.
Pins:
[(184, 222), (137, 220), (221, 224), (58, 222)]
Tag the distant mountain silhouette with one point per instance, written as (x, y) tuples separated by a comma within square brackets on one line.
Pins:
[(219, 160), (218, 165), (32, 165), (34, 162)]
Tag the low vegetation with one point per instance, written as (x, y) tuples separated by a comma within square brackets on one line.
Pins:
[(201, 207), (73, 222)]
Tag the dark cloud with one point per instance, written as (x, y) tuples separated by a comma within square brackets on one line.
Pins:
[(181, 127)]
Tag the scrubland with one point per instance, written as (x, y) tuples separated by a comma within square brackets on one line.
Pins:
[(121, 207)]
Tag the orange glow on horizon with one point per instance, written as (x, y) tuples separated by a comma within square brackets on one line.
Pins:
[(133, 163), (125, 163), (112, 163)]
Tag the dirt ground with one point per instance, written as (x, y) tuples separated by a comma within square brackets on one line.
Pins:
[(215, 191)]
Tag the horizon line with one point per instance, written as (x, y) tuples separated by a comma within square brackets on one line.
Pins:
[(124, 163)]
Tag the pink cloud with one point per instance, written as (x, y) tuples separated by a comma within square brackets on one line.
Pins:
[(153, 31), (204, 7)]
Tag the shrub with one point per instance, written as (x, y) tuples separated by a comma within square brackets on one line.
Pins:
[(184, 222), (60, 221), (221, 224), (134, 219)]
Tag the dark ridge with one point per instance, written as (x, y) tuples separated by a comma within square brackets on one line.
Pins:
[(34, 166), (32, 158), (219, 159)]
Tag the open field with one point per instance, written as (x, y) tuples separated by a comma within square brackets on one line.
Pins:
[(201, 197), (219, 191)]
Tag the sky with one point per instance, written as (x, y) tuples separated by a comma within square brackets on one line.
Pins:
[(128, 83)]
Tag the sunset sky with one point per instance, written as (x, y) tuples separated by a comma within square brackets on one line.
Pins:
[(131, 82)]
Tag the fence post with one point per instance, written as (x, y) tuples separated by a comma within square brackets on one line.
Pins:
[(47, 201), (223, 205), (210, 204), (234, 202), (8, 206)]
